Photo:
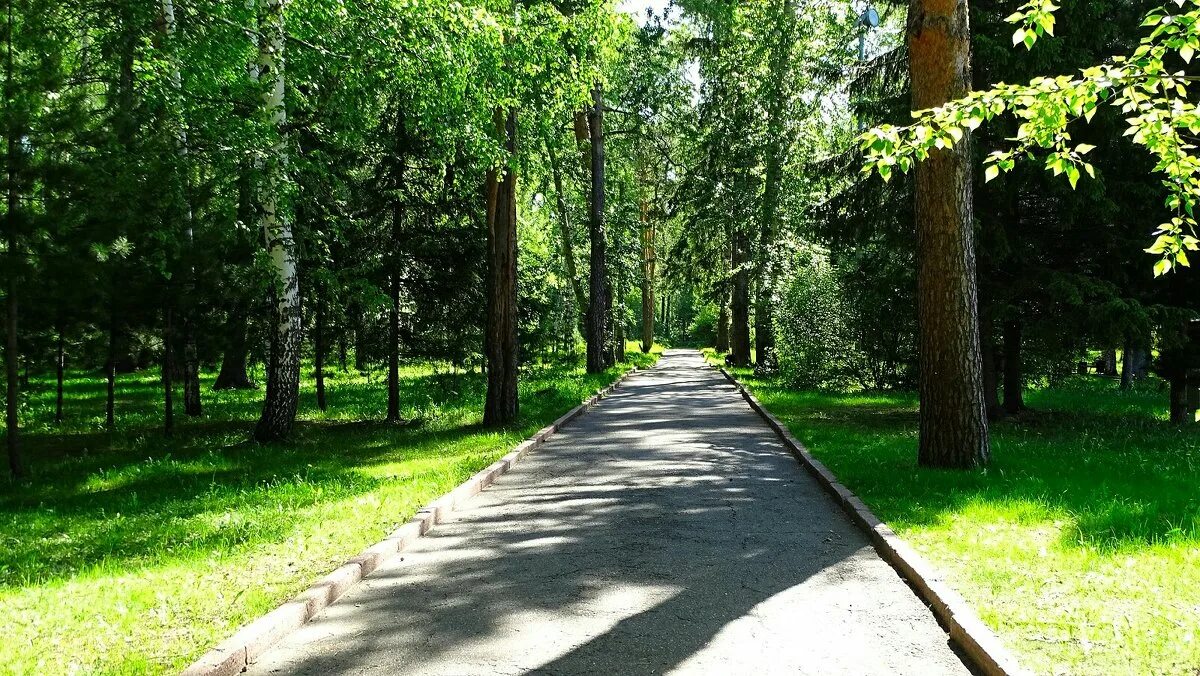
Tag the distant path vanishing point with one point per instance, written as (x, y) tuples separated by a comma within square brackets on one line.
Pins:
[(665, 531)]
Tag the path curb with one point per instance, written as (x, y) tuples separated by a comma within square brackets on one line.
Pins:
[(981, 646), (237, 652)]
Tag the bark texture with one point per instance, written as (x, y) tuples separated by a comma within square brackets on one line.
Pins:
[(501, 406), (953, 419), (283, 368), (234, 374), (600, 293), (649, 263)]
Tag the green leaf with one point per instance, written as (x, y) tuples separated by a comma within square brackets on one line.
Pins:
[(990, 173)]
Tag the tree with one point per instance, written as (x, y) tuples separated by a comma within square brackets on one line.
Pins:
[(599, 290), (283, 369), (953, 420)]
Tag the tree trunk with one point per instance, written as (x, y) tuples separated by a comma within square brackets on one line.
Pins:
[(342, 350), (360, 343), (60, 366), (1180, 415), (1127, 365), (502, 403), (191, 363), (649, 261), (393, 374), (1109, 357), (1014, 380), (167, 367), (776, 151), (283, 370), (319, 351), (987, 351), (600, 302), (564, 232), (740, 330), (191, 370), (233, 374), (953, 418)]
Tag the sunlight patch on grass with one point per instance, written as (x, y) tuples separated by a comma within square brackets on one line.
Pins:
[(131, 553), (1079, 545)]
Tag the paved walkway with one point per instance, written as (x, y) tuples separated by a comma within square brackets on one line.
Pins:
[(666, 531)]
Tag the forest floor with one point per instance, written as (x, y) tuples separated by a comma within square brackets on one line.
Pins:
[(127, 552), (1079, 545)]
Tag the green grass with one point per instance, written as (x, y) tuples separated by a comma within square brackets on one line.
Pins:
[(1079, 545), (130, 553)]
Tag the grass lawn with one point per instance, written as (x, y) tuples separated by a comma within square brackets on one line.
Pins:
[(131, 553), (1079, 546)]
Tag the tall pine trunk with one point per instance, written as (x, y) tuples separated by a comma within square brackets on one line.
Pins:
[(501, 405), (649, 261), (283, 369), (1014, 378), (599, 301), (776, 151), (953, 418)]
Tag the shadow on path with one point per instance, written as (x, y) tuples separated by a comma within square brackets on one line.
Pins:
[(665, 531)]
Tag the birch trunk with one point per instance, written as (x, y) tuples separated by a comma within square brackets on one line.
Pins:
[(283, 368)]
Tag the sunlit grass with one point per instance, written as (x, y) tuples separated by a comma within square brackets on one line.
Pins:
[(127, 552), (1080, 545)]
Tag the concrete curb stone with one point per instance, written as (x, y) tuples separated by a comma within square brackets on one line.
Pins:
[(235, 653), (981, 646)]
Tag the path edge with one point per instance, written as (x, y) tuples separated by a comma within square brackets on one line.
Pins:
[(979, 643), (234, 654)]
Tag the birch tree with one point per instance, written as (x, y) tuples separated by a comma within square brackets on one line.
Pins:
[(283, 368)]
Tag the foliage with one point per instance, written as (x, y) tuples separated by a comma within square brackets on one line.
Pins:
[(1149, 87)]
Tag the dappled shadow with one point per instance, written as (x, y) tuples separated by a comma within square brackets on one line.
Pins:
[(667, 529), (133, 497), (1119, 476)]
